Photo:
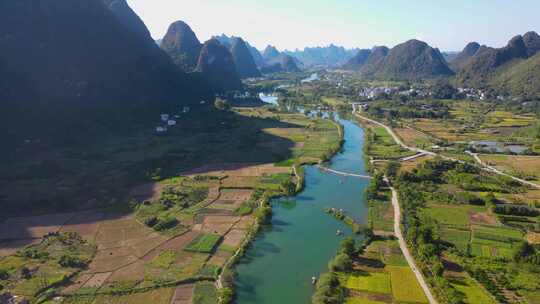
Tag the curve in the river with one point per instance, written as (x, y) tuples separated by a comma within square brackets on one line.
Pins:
[(279, 265)]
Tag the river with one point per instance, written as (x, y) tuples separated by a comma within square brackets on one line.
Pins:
[(278, 267)]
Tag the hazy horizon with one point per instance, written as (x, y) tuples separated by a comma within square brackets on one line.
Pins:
[(363, 24)]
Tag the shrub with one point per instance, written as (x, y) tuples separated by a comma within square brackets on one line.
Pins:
[(342, 262), (4, 275), (71, 261), (328, 290), (165, 223), (348, 246)]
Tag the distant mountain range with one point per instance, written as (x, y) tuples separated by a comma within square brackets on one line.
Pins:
[(330, 56)]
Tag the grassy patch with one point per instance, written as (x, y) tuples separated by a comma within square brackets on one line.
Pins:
[(474, 294), (405, 287), (358, 300), (204, 243), (376, 282), (205, 293)]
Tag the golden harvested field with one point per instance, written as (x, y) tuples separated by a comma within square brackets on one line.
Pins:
[(413, 138), (527, 165), (157, 296), (408, 166), (507, 119)]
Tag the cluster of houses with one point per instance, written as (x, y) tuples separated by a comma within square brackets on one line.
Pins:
[(472, 93), (169, 121)]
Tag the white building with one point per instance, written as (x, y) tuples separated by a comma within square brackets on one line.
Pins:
[(171, 122), (164, 117), (161, 129)]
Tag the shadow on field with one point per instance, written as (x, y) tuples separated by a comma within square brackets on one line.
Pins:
[(47, 182)]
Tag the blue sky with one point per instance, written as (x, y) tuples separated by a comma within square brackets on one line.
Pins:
[(290, 24)]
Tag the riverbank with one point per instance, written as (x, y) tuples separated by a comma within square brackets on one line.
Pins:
[(276, 260), (227, 290)]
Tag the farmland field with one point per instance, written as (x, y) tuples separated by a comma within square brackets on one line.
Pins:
[(377, 282), (204, 243), (405, 287), (527, 167), (474, 294)]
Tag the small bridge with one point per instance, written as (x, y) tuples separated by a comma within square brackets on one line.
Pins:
[(343, 173), (356, 106)]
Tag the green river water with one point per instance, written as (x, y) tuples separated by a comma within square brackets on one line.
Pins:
[(278, 267)]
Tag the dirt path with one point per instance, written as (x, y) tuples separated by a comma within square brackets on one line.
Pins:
[(405, 249), (497, 171)]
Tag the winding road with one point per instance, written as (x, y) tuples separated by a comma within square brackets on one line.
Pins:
[(397, 208)]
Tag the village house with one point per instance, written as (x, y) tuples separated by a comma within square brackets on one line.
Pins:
[(161, 129)]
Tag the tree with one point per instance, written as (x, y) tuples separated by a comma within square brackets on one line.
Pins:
[(522, 251), (348, 246), (342, 262), (328, 290)]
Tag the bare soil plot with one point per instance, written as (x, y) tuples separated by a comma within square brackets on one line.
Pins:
[(237, 169), (85, 224), (236, 194), (220, 258), (412, 137), (122, 242), (240, 182), (234, 238), (483, 218), (156, 296), (97, 280), (244, 223), (132, 272), (218, 224), (183, 294)]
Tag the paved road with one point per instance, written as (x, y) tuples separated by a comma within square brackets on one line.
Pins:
[(405, 249)]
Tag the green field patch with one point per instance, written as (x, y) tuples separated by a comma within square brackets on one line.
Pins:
[(457, 216), (376, 282), (164, 260), (358, 300), (459, 238), (204, 243), (405, 287), (205, 293), (472, 291), (493, 233)]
